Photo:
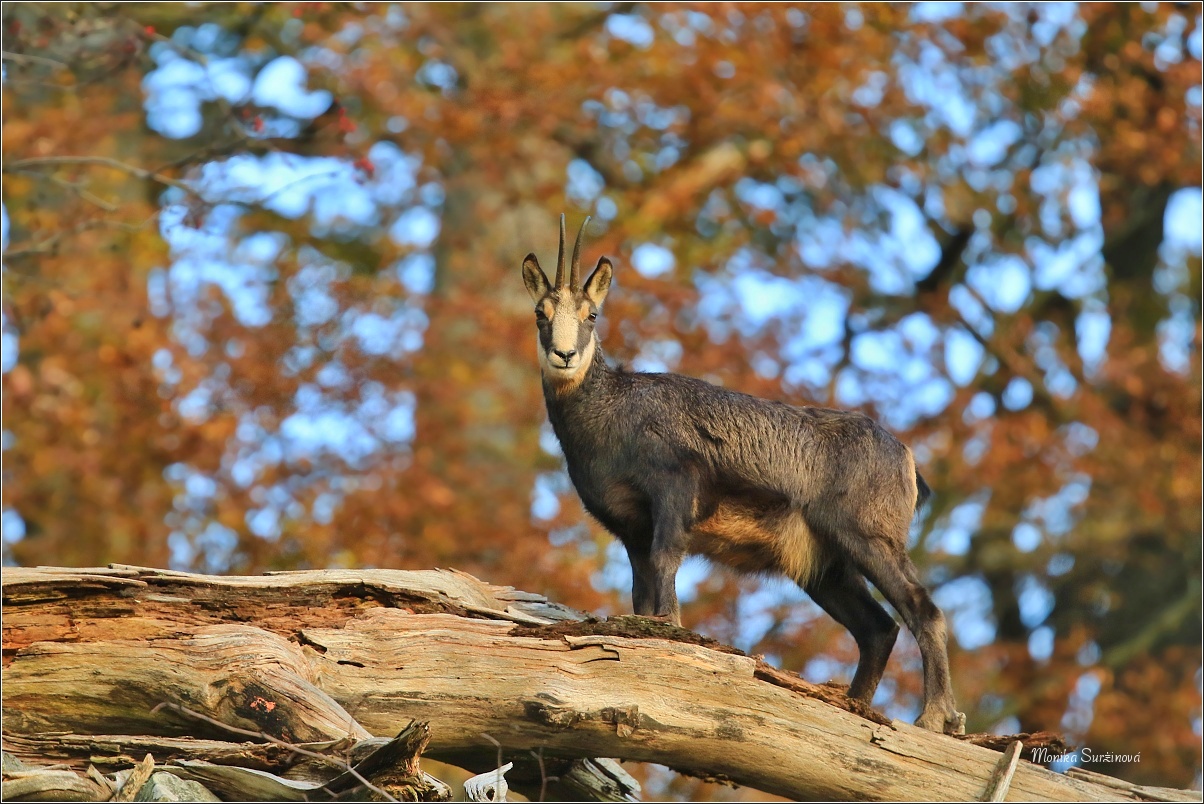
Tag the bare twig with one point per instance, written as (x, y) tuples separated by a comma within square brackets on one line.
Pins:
[(204, 154), (74, 187), (48, 245), (543, 773), (496, 745), (338, 763), (133, 170), (292, 185), (499, 756), (85, 194), (25, 58), (242, 135), (1019, 366), (15, 82)]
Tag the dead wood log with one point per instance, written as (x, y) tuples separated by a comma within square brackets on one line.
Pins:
[(22, 782), (340, 655)]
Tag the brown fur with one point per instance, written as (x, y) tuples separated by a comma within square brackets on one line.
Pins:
[(750, 540)]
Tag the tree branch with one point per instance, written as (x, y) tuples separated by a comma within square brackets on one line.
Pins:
[(26, 58), (133, 170), (49, 244)]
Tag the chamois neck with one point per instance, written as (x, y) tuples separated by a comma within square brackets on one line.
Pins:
[(599, 377)]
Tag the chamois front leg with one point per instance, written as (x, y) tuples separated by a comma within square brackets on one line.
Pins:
[(643, 591), (670, 537), (665, 564)]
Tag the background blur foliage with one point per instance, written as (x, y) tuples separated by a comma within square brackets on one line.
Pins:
[(262, 305)]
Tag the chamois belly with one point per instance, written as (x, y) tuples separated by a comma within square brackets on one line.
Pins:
[(751, 541)]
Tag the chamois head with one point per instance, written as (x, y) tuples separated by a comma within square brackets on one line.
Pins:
[(565, 313)]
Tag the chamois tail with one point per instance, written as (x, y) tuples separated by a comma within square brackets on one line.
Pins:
[(924, 491)]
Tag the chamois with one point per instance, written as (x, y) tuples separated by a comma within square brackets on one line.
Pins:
[(673, 466)]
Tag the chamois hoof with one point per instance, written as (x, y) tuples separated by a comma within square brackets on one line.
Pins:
[(953, 724)]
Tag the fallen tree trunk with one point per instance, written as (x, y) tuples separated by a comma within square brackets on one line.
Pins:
[(308, 657)]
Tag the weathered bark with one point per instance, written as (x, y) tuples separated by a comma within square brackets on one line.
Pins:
[(341, 655)]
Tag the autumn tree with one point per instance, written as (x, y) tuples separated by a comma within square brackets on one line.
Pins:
[(262, 306)]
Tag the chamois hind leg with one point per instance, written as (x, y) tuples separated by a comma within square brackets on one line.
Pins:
[(841, 591), (884, 561)]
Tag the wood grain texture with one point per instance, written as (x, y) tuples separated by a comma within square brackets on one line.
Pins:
[(342, 655)]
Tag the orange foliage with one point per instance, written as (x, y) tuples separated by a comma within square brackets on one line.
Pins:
[(148, 423)]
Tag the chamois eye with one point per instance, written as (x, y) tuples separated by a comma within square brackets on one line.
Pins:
[(539, 314), (593, 316)]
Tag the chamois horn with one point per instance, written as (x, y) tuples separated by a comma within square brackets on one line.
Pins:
[(575, 275), (560, 256)]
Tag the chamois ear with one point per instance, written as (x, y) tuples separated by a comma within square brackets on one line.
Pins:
[(534, 278), (598, 284)]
